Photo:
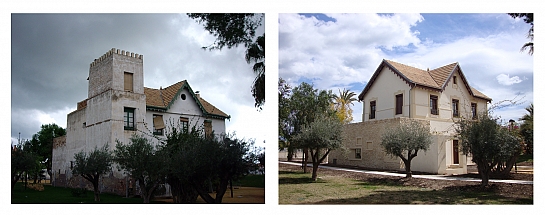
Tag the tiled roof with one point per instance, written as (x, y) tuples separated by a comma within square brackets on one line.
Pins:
[(435, 79), (163, 98)]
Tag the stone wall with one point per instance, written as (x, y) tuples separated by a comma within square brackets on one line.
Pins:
[(366, 136)]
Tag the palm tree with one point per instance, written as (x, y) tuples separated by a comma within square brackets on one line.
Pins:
[(528, 18), (256, 54), (527, 128), (342, 104)]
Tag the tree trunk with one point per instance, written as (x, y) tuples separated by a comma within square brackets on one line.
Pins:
[(290, 153), (315, 171), (231, 187), (408, 172), (484, 171), (95, 187), (509, 164), (222, 189), (305, 159)]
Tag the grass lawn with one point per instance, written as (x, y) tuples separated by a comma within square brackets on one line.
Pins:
[(60, 195), (297, 188), (251, 181), (526, 159)]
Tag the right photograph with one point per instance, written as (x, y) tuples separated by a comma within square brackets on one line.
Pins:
[(405, 108)]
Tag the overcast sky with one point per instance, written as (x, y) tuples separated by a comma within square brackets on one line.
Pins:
[(51, 53), (336, 51)]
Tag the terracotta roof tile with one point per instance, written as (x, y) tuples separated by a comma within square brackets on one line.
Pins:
[(162, 98), (211, 108), (442, 74), (416, 75), (436, 78)]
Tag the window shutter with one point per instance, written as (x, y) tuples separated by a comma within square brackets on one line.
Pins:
[(158, 122), (128, 81)]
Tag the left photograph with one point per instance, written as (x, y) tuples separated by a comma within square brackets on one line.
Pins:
[(137, 108)]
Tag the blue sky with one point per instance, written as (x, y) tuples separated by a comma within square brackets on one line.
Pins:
[(335, 51)]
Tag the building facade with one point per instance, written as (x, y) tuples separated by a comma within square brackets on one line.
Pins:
[(398, 92), (118, 106)]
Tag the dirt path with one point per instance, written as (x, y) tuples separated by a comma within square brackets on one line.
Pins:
[(241, 195)]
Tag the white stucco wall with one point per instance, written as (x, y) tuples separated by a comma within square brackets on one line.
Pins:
[(384, 90)]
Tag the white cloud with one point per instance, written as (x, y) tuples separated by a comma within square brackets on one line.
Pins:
[(504, 79)]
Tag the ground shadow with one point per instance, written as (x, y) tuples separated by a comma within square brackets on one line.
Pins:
[(299, 180), (427, 197)]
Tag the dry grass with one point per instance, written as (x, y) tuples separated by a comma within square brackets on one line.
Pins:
[(335, 187)]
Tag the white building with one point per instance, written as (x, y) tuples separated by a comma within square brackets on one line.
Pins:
[(118, 106), (399, 92)]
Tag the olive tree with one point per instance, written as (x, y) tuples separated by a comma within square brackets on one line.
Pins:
[(139, 158), (320, 137), (91, 166), (488, 143), (405, 140)]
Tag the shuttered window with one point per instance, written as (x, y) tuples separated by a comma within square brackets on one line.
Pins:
[(207, 128), (127, 78), (158, 124)]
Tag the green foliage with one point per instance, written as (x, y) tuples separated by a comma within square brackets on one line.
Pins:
[(230, 29), (300, 107), (320, 137), (23, 161), (405, 140), (233, 29), (141, 161), (488, 143), (342, 105), (195, 161), (527, 129), (41, 143), (256, 54)]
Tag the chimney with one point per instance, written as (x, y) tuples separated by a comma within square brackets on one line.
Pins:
[(197, 94)]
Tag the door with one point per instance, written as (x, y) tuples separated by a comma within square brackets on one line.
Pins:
[(455, 154)]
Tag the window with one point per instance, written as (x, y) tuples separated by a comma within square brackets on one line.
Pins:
[(454, 81), (182, 96), (455, 111), (207, 128), (369, 145), (455, 153), (399, 104), (433, 105), (373, 105), (127, 79), (357, 153), (185, 123), (358, 141), (128, 119), (474, 110), (158, 124)]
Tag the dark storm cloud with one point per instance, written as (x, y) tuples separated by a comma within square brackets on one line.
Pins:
[(51, 54)]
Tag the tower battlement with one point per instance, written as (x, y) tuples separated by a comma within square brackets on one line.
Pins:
[(116, 51)]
